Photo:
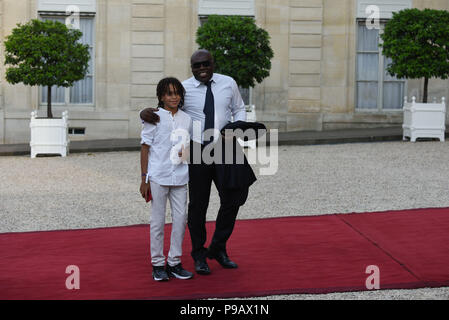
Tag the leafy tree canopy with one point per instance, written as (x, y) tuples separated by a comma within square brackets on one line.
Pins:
[(240, 48), (417, 41), (45, 53)]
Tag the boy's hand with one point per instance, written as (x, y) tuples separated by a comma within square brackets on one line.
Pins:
[(144, 188), (149, 115)]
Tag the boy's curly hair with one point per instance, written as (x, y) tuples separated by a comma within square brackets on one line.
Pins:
[(163, 88)]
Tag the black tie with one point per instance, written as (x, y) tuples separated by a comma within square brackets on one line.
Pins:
[(209, 111)]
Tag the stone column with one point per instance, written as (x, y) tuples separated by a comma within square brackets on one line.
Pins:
[(147, 51), (181, 22), (337, 52), (147, 57), (18, 100), (271, 96), (305, 54)]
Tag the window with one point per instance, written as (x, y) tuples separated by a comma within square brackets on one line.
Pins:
[(82, 92), (376, 90)]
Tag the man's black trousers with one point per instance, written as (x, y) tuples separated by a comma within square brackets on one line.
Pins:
[(201, 176)]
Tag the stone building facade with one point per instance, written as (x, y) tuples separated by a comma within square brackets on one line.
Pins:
[(327, 72)]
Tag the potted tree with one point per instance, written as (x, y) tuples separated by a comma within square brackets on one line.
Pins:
[(240, 48), (417, 41), (46, 53)]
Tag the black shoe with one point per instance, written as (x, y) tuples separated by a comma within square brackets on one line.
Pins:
[(201, 267), (159, 274), (178, 272), (223, 259)]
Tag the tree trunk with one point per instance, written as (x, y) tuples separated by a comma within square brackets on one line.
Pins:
[(426, 85), (49, 113)]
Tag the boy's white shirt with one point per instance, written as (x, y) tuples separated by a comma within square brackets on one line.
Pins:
[(166, 139)]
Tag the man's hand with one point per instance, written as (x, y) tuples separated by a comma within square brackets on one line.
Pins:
[(149, 115)]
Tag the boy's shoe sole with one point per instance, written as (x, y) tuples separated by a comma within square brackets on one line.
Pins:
[(159, 279), (178, 272), (177, 276)]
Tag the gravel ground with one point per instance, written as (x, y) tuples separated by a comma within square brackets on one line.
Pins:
[(101, 189)]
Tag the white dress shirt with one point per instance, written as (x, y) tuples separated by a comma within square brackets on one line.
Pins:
[(228, 103), (165, 139)]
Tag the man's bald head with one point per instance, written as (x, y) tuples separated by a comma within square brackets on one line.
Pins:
[(201, 54), (202, 64)]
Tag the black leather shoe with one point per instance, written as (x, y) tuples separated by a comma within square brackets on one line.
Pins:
[(201, 267), (223, 259)]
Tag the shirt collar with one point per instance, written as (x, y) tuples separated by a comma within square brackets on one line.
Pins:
[(163, 110), (198, 83), (169, 112)]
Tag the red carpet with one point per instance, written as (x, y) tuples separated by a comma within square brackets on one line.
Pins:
[(276, 256)]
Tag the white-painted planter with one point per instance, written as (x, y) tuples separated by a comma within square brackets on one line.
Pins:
[(424, 120), (49, 136)]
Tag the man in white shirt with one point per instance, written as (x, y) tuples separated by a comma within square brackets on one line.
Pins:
[(212, 100), (227, 100)]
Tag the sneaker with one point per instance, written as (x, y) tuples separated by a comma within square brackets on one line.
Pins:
[(179, 272), (159, 274)]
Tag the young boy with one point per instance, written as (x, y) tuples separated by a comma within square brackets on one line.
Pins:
[(165, 175)]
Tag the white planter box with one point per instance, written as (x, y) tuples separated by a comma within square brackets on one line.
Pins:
[(424, 120), (49, 136)]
